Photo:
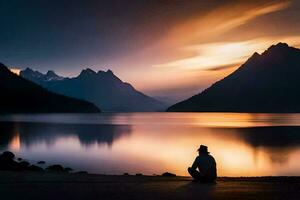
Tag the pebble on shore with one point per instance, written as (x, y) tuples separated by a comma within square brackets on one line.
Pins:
[(7, 162)]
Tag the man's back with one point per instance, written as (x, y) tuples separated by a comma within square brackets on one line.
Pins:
[(206, 165)]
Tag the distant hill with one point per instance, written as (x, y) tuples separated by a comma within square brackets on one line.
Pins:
[(269, 82), (38, 77), (19, 95), (102, 88)]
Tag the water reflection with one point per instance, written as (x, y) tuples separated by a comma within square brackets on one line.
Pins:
[(243, 144), (238, 151), (14, 134), (190, 119)]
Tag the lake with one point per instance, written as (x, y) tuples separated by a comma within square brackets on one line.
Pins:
[(243, 144)]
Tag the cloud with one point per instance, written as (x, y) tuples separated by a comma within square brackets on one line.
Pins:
[(220, 20), (213, 56), (221, 68), (193, 37)]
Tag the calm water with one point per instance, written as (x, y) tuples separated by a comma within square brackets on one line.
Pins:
[(152, 143)]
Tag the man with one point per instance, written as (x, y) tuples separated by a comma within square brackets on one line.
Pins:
[(206, 165)]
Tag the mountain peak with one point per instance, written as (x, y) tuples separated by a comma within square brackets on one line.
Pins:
[(265, 83), (106, 72), (251, 60), (280, 47), (38, 76), (30, 72), (87, 71), (51, 73), (254, 56), (109, 71), (27, 69)]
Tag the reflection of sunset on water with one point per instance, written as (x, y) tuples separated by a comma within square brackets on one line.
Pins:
[(15, 143), (243, 144), (176, 149), (210, 119)]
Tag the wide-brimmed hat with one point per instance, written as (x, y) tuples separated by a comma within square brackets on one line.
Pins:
[(203, 149)]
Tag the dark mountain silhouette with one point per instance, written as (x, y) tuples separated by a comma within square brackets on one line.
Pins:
[(39, 77), (22, 96), (265, 83), (102, 88)]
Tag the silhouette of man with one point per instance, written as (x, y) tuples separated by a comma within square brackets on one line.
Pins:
[(206, 165)]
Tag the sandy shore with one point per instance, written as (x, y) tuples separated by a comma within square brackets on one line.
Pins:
[(34, 185)]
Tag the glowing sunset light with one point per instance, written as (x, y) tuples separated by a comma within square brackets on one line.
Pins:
[(214, 55), (219, 21), (175, 151), (15, 143), (15, 71)]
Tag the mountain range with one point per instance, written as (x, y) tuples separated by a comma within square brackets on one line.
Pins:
[(22, 96), (103, 88), (267, 82)]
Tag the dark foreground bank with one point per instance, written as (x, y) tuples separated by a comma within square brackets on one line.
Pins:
[(36, 185)]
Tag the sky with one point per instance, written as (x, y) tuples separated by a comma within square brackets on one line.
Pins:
[(165, 48)]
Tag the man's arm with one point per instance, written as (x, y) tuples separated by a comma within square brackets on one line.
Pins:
[(195, 164)]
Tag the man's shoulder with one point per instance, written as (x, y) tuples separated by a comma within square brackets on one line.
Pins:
[(198, 158), (212, 158), (201, 157), (207, 156)]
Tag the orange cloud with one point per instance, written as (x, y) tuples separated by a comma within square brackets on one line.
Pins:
[(212, 55), (220, 20), (193, 39)]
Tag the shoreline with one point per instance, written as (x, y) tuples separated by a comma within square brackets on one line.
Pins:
[(37, 185)]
